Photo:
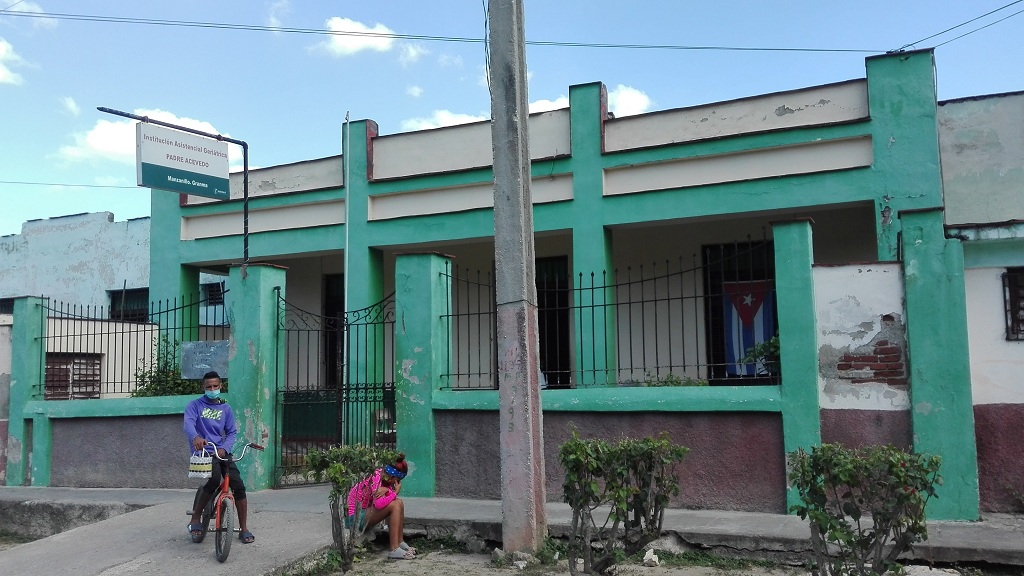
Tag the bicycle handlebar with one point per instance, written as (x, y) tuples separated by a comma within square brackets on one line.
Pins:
[(245, 447)]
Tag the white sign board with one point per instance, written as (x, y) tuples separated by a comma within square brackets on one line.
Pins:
[(181, 162)]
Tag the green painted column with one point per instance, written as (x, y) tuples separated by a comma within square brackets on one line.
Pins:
[(27, 362), (593, 266), (364, 269), (794, 293), (905, 140), (422, 354), (255, 365), (942, 410)]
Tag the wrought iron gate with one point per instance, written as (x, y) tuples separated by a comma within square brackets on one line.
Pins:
[(338, 382)]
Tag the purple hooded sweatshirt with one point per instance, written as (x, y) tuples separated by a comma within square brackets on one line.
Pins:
[(211, 419)]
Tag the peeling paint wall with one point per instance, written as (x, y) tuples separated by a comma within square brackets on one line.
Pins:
[(6, 322), (75, 259), (982, 142), (861, 337)]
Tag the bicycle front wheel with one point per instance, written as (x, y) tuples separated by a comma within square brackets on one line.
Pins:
[(225, 529)]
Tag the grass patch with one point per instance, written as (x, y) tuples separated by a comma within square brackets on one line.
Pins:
[(705, 559), (14, 537)]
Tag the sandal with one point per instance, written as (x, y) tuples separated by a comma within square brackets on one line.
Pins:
[(399, 554), (195, 531), (246, 537), (406, 547)]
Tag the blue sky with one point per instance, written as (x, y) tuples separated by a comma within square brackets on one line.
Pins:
[(287, 93)]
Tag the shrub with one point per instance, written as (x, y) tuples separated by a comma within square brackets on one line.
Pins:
[(634, 479), (344, 467), (767, 355), (865, 506)]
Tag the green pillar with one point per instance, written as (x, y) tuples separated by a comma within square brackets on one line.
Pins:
[(905, 139), (255, 365), (422, 354), (798, 331), (364, 280), (593, 266), (942, 410), (27, 361)]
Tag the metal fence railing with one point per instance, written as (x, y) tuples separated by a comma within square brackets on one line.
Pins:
[(87, 354), (683, 322)]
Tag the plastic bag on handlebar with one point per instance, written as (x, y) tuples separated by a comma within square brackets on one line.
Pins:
[(200, 465)]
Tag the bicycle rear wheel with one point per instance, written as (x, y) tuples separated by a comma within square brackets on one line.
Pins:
[(204, 518), (225, 529)]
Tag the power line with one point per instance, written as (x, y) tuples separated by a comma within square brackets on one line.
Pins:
[(64, 185), (421, 37), (982, 28), (905, 46)]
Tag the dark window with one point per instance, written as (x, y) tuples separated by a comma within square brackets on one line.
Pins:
[(213, 293), (739, 282), (6, 305), (334, 318), (72, 376), (1013, 297), (552, 279), (131, 305)]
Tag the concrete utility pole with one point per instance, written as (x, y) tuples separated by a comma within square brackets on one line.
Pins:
[(524, 522)]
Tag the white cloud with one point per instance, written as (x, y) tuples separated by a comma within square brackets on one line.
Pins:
[(626, 101), (549, 105), (351, 37), (411, 53), (278, 10), (438, 119), (450, 61), (113, 181), (114, 140), (414, 91), (70, 106), (7, 58), (33, 8)]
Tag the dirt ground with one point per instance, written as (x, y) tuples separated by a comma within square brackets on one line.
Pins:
[(445, 563)]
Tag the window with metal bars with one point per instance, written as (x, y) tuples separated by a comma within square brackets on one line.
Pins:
[(131, 305), (72, 376), (1013, 298)]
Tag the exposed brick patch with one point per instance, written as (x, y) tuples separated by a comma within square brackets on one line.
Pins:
[(885, 362)]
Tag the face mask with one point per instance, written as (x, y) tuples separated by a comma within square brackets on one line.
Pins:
[(213, 394)]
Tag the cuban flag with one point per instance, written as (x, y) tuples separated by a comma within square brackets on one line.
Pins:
[(749, 313)]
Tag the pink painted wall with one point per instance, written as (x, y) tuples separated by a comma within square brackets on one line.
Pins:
[(736, 460)]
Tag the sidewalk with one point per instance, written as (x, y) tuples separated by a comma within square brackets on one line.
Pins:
[(131, 531)]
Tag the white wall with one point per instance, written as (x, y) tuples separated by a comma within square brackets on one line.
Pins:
[(75, 259), (849, 302), (981, 142), (996, 363)]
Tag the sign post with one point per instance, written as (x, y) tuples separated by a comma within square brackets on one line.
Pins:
[(170, 160)]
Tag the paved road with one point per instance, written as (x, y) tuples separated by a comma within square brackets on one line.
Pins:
[(293, 523)]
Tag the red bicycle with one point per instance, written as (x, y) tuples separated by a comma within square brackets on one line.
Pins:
[(220, 508)]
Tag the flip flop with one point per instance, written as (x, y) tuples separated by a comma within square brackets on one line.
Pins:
[(246, 537), (399, 554)]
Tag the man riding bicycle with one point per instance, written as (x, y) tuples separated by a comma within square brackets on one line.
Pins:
[(210, 419)]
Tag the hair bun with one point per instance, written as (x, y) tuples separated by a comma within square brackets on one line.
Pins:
[(400, 457)]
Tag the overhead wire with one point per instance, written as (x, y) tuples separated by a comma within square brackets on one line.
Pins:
[(420, 37), (20, 183), (981, 28), (905, 46)]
